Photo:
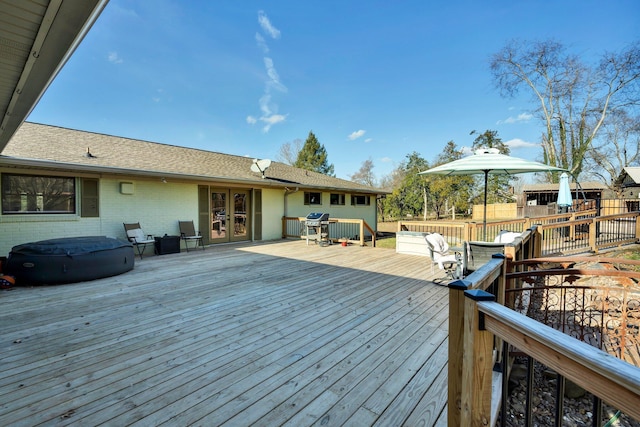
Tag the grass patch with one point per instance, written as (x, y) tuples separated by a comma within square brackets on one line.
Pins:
[(386, 243)]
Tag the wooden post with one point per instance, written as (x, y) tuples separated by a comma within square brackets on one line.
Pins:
[(456, 347), (592, 235), (637, 228), (477, 367)]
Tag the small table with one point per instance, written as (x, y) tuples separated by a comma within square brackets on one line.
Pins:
[(167, 245)]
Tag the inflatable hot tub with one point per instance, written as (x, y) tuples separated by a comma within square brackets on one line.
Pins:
[(68, 260)]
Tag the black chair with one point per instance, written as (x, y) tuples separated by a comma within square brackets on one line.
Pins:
[(476, 254), (136, 236), (188, 234)]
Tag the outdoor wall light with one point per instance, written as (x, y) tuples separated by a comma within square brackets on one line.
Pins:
[(163, 180)]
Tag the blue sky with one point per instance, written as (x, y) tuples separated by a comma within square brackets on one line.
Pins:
[(376, 79)]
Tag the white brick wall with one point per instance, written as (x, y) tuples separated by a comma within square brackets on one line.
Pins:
[(157, 206)]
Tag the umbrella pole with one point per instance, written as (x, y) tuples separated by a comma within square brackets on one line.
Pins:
[(486, 179)]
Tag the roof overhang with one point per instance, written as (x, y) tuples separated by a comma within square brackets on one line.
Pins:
[(15, 162), (35, 42)]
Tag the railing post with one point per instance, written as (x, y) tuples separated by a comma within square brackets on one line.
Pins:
[(477, 368), (538, 241), (456, 347), (284, 227), (592, 234), (361, 232), (637, 227)]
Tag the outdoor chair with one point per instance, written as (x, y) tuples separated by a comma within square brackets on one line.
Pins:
[(476, 254), (440, 255), (136, 236), (188, 234)]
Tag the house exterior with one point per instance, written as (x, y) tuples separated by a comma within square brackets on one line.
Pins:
[(59, 182), (629, 182)]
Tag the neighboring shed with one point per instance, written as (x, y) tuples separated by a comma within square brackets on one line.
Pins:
[(547, 193), (629, 182)]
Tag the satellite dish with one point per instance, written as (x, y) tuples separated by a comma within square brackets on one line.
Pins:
[(260, 165)]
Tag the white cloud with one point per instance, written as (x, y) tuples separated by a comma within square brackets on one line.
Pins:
[(274, 78), (386, 159), (357, 134), (522, 117), (368, 140), (519, 143), (272, 120), (262, 44), (114, 58), (268, 108), (266, 25)]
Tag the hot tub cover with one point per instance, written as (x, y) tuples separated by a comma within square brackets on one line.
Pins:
[(69, 259), (70, 246)]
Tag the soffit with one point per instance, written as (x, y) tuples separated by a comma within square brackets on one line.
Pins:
[(36, 39)]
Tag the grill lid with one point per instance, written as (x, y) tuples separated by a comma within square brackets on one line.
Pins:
[(318, 216)]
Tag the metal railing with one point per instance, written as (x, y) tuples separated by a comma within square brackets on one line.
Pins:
[(514, 307)]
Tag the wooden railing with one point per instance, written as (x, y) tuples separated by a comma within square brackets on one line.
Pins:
[(340, 229), (480, 324), (570, 233)]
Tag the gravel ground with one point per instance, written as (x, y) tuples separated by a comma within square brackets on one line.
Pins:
[(578, 411)]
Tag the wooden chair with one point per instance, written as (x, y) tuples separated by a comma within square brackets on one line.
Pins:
[(140, 240), (188, 233)]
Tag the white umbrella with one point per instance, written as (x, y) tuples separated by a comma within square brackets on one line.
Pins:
[(489, 161), (564, 192)]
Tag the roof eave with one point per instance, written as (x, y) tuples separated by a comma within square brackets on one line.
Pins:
[(64, 25)]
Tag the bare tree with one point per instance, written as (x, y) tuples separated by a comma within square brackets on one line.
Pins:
[(573, 98), (289, 151), (620, 148), (365, 175)]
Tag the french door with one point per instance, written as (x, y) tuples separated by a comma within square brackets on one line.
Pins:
[(230, 215)]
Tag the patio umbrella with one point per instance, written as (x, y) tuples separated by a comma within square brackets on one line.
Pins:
[(564, 192), (489, 161)]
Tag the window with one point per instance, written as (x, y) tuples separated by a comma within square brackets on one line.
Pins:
[(337, 199), (312, 198), (32, 194), (360, 200)]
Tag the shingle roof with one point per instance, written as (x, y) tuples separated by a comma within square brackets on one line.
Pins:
[(51, 146)]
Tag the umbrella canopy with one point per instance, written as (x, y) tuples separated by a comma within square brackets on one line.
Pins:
[(564, 192), (489, 161)]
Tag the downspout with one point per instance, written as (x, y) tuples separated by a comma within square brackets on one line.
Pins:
[(287, 192)]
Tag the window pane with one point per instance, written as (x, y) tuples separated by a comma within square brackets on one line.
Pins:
[(27, 194), (312, 198), (337, 199)]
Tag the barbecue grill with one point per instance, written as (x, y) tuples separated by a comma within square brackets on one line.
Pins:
[(317, 227)]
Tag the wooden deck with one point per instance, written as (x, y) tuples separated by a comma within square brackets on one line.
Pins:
[(249, 334)]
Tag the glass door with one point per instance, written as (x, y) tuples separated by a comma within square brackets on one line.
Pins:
[(240, 217), (219, 210), (229, 215)]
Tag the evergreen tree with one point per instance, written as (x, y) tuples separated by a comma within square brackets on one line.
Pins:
[(313, 157)]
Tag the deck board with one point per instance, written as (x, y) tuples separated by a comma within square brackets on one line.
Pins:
[(276, 333)]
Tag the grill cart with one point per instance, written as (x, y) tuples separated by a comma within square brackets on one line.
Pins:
[(317, 228)]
